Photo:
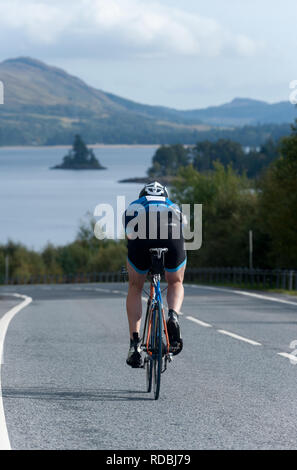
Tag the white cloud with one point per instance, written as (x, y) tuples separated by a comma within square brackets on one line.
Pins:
[(134, 27)]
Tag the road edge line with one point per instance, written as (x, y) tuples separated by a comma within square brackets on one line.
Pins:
[(243, 292), (4, 323)]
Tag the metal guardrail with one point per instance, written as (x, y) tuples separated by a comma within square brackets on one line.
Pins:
[(245, 277), (242, 277)]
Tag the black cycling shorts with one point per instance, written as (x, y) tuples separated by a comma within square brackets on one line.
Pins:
[(139, 255)]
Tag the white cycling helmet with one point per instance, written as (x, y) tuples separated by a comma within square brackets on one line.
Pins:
[(154, 189)]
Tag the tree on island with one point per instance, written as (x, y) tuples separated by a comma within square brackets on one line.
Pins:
[(80, 158), (168, 159)]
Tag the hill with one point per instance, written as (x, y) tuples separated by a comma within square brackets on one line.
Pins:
[(46, 105)]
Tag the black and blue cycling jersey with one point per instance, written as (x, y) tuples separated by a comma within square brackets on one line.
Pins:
[(154, 222)]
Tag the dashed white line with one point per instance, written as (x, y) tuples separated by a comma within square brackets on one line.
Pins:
[(292, 358), (224, 332), (241, 338), (199, 322), (4, 323), (99, 289)]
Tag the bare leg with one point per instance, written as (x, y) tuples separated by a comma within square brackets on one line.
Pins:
[(175, 292), (133, 303)]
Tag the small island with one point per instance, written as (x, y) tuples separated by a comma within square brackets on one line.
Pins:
[(167, 161), (165, 180), (79, 158)]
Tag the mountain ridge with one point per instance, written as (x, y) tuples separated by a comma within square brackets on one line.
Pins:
[(46, 104)]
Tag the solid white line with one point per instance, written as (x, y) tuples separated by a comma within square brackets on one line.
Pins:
[(241, 338), (289, 356), (241, 292), (199, 322), (4, 323), (266, 297)]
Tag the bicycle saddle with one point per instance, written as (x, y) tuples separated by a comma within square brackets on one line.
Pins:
[(157, 260)]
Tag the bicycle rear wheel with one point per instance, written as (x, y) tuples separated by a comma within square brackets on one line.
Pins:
[(157, 348), (148, 362)]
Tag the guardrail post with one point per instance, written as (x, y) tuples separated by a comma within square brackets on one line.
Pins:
[(284, 279), (291, 274)]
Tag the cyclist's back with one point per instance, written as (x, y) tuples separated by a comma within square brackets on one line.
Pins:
[(154, 221)]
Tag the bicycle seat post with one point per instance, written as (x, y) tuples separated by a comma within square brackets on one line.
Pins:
[(157, 261)]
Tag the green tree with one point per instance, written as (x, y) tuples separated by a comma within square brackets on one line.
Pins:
[(229, 212), (256, 161), (278, 204), (168, 159), (80, 157), (225, 151), (111, 256)]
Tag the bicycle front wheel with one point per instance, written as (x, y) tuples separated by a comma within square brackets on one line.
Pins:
[(157, 356)]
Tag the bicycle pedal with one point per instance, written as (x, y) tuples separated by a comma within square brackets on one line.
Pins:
[(170, 357)]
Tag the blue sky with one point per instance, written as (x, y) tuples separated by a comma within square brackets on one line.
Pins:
[(188, 54)]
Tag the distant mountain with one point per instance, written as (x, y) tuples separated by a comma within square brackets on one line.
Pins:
[(244, 111), (46, 105)]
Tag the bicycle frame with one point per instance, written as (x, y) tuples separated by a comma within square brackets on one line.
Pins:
[(155, 298)]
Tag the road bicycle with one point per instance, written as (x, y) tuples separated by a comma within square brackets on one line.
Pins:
[(155, 340)]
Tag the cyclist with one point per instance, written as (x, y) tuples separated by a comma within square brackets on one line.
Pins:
[(153, 221)]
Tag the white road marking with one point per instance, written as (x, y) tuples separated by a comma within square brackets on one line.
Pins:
[(266, 297), (4, 323), (241, 338), (289, 356), (241, 292), (199, 322)]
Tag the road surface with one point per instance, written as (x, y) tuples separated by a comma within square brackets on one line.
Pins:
[(65, 384)]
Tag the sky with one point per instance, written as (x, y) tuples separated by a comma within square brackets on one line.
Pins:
[(183, 54)]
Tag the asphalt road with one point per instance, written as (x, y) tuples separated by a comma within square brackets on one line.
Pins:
[(65, 384)]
